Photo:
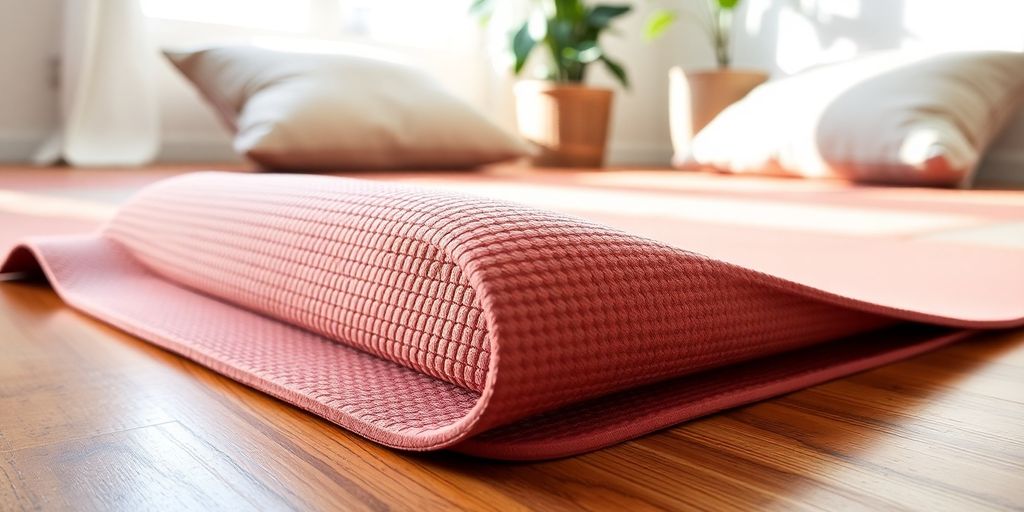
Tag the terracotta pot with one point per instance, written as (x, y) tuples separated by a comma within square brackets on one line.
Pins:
[(695, 98), (568, 122)]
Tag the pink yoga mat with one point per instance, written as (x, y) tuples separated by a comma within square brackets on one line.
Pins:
[(425, 318)]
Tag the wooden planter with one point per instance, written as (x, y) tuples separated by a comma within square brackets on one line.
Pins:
[(568, 122), (695, 98)]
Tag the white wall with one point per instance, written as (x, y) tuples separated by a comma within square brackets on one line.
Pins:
[(29, 36), (455, 55), (783, 36), (640, 123), (787, 36), (639, 131), (28, 97)]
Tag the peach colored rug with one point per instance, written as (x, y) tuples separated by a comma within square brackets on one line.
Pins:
[(545, 316)]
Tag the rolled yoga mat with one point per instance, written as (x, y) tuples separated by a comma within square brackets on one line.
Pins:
[(426, 319)]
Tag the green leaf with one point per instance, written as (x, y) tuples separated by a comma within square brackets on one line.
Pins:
[(616, 69), (522, 45), (583, 53), (569, 10), (659, 23), (481, 7), (602, 15), (728, 5), (559, 37), (560, 32), (482, 10)]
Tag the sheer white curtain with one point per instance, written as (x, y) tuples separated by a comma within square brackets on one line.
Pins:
[(109, 110)]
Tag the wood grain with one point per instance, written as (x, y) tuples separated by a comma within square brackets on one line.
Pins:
[(94, 419)]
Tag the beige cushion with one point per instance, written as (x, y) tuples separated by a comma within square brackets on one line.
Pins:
[(889, 117), (306, 112)]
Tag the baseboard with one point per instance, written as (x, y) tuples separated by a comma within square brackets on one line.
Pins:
[(647, 155), (1002, 168), (19, 148), (182, 150), (204, 150)]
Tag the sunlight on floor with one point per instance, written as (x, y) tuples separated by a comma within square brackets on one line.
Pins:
[(743, 211), (49, 206)]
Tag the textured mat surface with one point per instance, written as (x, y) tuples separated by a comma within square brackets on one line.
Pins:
[(425, 319)]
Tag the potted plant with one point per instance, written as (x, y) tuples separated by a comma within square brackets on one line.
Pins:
[(565, 118), (696, 97)]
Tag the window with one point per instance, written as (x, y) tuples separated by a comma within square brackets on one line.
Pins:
[(439, 35), (275, 15), (415, 23)]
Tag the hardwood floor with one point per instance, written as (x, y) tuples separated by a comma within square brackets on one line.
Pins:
[(94, 419)]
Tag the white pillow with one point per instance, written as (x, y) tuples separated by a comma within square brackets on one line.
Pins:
[(891, 117), (305, 112)]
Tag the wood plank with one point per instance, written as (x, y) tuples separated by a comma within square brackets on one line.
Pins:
[(94, 419)]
